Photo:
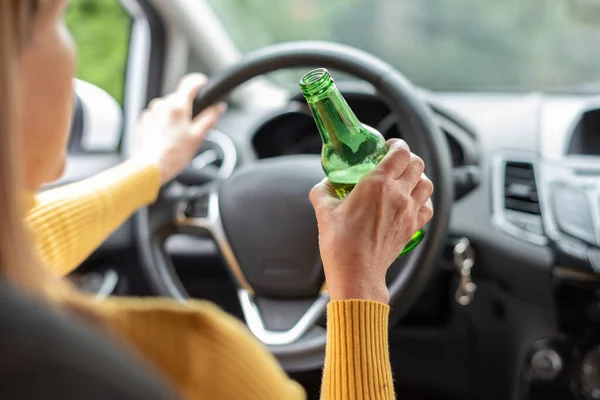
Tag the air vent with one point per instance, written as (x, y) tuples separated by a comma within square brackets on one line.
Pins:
[(520, 191), (516, 200)]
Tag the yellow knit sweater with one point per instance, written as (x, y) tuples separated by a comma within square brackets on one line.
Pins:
[(202, 351)]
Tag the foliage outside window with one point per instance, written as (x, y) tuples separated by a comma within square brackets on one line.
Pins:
[(101, 29)]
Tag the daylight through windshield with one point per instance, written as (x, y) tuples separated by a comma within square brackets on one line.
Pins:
[(442, 44)]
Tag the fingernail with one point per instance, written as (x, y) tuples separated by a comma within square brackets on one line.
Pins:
[(401, 143)]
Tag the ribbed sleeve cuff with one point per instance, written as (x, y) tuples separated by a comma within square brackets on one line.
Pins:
[(357, 362)]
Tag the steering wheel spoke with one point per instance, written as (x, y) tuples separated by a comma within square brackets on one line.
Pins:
[(203, 217), (192, 213), (292, 319)]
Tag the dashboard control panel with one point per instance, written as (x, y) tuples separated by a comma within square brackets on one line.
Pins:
[(571, 203), (562, 369)]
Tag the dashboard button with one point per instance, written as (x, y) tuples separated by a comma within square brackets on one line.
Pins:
[(197, 208), (546, 364)]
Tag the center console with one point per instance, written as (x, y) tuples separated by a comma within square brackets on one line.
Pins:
[(567, 194), (571, 191)]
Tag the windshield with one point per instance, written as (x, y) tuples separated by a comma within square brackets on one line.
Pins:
[(442, 44)]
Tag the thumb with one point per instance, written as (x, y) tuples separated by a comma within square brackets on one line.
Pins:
[(322, 196), (187, 89)]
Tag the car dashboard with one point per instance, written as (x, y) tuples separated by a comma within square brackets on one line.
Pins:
[(527, 180), (527, 175)]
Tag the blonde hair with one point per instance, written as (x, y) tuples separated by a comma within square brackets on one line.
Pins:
[(18, 263), (16, 259)]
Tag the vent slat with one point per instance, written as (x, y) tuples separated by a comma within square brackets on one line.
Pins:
[(523, 206), (519, 173)]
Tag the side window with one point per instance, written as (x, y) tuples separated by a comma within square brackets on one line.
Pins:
[(101, 29)]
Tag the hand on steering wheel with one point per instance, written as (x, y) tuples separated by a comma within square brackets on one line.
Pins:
[(168, 135)]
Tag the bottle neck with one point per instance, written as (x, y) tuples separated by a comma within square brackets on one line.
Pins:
[(335, 120)]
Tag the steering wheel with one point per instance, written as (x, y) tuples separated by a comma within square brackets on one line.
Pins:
[(262, 221)]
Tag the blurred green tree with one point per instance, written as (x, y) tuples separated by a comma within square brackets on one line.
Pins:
[(441, 44), (101, 29)]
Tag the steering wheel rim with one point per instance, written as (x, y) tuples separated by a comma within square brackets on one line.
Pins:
[(418, 129)]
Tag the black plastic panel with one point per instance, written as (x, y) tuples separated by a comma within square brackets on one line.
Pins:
[(585, 139)]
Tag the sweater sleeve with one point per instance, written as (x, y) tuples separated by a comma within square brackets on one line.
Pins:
[(203, 351), (70, 222), (206, 353), (357, 360)]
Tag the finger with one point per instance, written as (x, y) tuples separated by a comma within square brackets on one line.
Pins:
[(425, 214), (396, 160), (413, 172), (323, 195), (187, 89), (206, 120), (422, 192)]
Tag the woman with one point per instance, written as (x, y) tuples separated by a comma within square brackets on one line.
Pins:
[(203, 352)]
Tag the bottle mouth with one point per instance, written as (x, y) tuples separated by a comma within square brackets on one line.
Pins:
[(316, 82)]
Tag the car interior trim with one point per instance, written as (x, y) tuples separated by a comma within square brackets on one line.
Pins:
[(212, 224), (138, 68), (575, 275), (212, 221), (499, 216), (230, 155), (110, 281), (256, 324)]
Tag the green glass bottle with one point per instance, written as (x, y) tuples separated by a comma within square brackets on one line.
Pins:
[(350, 149)]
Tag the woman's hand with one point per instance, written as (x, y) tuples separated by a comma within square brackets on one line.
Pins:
[(166, 133), (361, 235)]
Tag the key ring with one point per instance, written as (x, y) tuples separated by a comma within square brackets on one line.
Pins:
[(464, 259)]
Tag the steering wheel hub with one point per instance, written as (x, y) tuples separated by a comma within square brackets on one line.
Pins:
[(271, 226)]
